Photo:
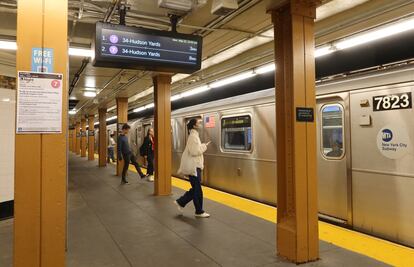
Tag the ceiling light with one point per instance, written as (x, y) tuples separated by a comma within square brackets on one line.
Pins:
[(111, 118), (149, 105), (81, 52), (232, 79), (72, 112), (111, 108), (176, 97), (89, 94), (265, 68), (378, 33), (324, 50), (139, 109), (96, 123), (5, 99), (195, 91), (90, 89), (9, 45)]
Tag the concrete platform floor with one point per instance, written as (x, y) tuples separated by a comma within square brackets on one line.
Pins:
[(125, 225)]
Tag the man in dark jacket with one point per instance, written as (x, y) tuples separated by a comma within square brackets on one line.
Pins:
[(125, 154), (148, 147)]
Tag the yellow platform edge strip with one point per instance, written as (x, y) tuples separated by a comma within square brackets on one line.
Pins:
[(379, 249)]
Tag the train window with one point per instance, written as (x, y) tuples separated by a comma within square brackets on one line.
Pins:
[(332, 131), (236, 133)]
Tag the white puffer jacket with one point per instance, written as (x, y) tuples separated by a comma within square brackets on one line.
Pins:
[(192, 157)]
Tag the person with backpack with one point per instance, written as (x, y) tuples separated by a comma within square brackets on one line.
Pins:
[(192, 164), (147, 151), (124, 153)]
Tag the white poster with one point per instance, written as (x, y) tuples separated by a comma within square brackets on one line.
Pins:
[(39, 102)]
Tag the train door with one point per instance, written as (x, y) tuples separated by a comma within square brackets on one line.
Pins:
[(333, 154)]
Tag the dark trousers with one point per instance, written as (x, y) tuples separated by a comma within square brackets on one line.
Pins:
[(111, 154), (195, 193), (129, 158), (150, 164)]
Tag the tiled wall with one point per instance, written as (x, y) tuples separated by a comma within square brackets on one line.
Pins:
[(7, 134)]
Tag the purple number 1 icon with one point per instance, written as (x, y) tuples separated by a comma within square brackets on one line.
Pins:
[(113, 50), (113, 39)]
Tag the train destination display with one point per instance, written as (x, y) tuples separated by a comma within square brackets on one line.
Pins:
[(137, 48)]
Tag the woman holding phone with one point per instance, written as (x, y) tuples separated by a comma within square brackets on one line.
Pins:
[(192, 164)]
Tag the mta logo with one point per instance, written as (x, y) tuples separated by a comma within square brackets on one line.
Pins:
[(387, 135)]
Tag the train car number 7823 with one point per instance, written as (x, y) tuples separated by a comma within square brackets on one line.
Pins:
[(392, 102)]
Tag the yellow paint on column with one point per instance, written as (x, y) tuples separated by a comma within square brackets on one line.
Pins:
[(297, 227), (83, 138), (91, 137), (78, 139), (162, 94), (102, 148), (40, 161)]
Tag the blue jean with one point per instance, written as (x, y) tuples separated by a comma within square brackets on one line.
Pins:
[(111, 154), (195, 193)]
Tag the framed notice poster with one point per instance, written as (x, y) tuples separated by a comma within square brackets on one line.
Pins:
[(39, 103)]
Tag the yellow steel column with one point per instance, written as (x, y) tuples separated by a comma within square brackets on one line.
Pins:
[(122, 113), (70, 140), (91, 137), (297, 221), (83, 137), (162, 182), (74, 139), (40, 160), (78, 139), (102, 148)]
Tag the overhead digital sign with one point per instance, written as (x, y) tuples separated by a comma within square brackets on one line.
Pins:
[(119, 46)]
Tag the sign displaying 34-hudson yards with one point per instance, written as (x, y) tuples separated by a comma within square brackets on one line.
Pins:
[(39, 103)]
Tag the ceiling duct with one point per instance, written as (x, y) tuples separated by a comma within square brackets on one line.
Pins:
[(223, 7)]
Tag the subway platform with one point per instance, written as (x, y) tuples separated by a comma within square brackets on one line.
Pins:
[(125, 225)]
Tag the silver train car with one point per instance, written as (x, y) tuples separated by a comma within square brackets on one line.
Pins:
[(365, 156)]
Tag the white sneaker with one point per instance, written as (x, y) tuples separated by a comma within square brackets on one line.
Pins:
[(151, 178), (180, 209), (202, 215)]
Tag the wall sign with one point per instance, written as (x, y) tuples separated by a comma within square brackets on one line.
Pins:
[(42, 59), (39, 102), (121, 46), (392, 102), (304, 114), (393, 141)]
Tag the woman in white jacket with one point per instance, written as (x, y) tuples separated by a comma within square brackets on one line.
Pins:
[(192, 163)]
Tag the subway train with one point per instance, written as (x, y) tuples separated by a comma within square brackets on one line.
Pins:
[(365, 126)]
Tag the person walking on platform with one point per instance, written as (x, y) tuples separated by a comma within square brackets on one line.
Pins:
[(192, 164), (147, 151), (125, 154), (111, 147)]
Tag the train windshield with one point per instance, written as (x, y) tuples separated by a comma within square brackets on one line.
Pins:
[(236, 133), (332, 131)]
